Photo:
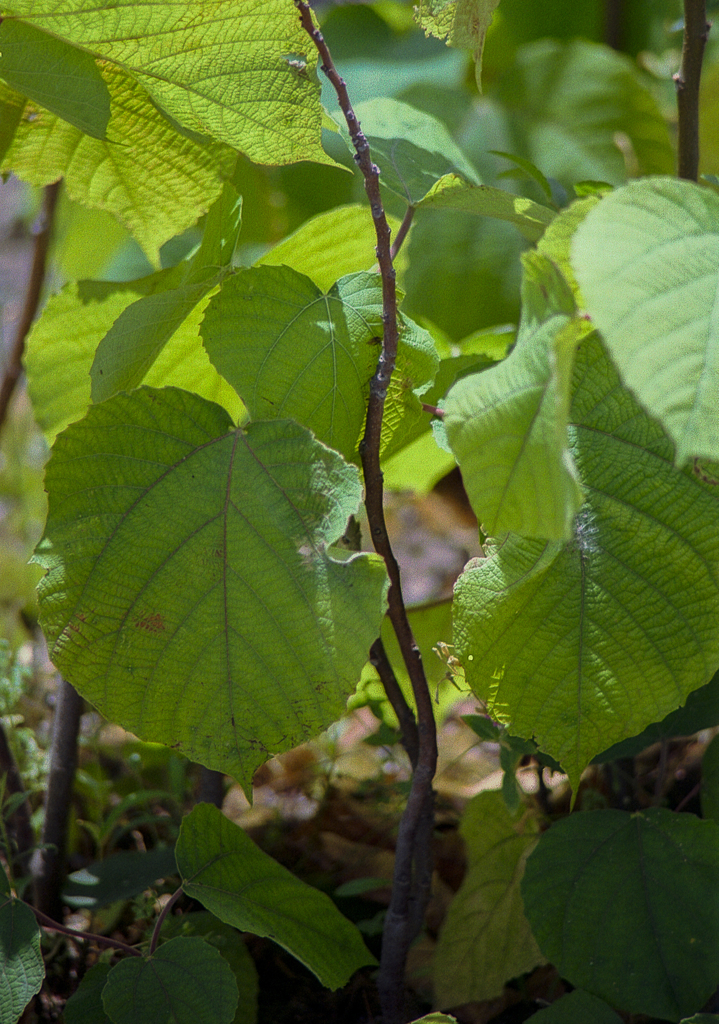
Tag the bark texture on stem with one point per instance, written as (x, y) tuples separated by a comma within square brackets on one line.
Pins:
[(687, 81), (410, 887), (48, 863)]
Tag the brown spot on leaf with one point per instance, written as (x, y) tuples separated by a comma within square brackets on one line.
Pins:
[(152, 623)]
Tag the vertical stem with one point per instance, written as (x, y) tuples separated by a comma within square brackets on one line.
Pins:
[(48, 863), (410, 888), (687, 80), (613, 23), (13, 368), (19, 822)]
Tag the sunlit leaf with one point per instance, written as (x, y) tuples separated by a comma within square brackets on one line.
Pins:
[(228, 873), (247, 78), (153, 180), (189, 570), (647, 260), (462, 23), (584, 644), (452, 193)]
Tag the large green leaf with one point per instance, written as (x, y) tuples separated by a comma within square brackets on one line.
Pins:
[(462, 23), (567, 102), (486, 938), (85, 1004), (626, 906), (119, 877), (507, 426), (245, 887), (647, 260), (452, 193), (246, 77), (139, 334), (583, 644), (147, 175), (190, 595), (21, 966), (59, 77), (291, 351), (412, 149), (185, 981), (575, 1007), (58, 373)]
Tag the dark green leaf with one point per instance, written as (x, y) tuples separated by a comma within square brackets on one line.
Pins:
[(85, 1004), (626, 906), (21, 966), (710, 781), (223, 869), (576, 1007), (185, 981), (119, 877)]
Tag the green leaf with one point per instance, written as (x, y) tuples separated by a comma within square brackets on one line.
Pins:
[(231, 632), (436, 1018), (133, 343), (59, 374), (556, 242), (462, 23), (568, 101), (290, 351), (230, 944), (61, 78), (412, 149), (577, 1006), (536, 624), (85, 1004), (153, 180), (119, 877), (21, 967), (646, 260), (626, 906), (701, 711), (452, 193), (710, 781), (249, 81), (223, 869), (12, 105), (486, 938), (331, 245), (507, 426), (185, 981)]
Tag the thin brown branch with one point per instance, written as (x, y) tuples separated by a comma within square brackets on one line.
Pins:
[(402, 232), (99, 940), (13, 368), (408, 727), (161, 917), (687, 81), (408, 889)]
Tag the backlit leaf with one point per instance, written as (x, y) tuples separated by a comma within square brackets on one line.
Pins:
[(245, 77), (647, 261), (452, 193), (584, 644), (189, 570), (462, 23), (486, 938)]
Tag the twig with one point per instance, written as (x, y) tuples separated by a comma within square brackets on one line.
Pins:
[(99, 940), (408, 887), (408, 727), (402, 232), (687, 79), (13, 368), (613, 23), (161, 917), (48, 863)]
